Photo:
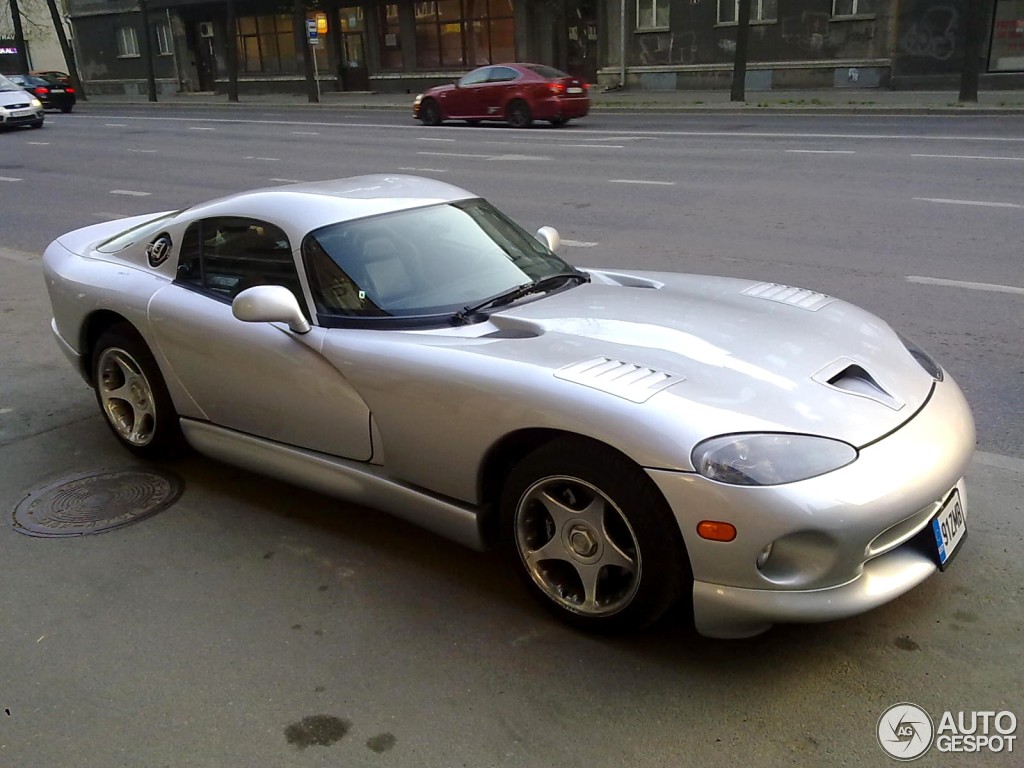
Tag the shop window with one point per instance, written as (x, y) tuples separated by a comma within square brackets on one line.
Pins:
[(266, 44), (760, 10), (652, 14), (127, 42), (390, 38), (464, 33)]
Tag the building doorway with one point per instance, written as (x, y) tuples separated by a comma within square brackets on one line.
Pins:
[(353, 48)]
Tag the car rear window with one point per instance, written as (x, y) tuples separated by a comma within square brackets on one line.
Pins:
[(547, 72)]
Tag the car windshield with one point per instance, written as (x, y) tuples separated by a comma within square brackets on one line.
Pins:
[(7, 85), (426, 261)]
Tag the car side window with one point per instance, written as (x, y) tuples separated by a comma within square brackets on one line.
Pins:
[(477, 76), (225, 255), (502, 75)]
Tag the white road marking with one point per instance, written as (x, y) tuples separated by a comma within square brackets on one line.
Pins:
[(455, 154), (642, 181), (288, 181), (517, 157), (9, 178), (129, 192), (425, 138), (267, 159), (972, 157), (143, 151), (999, 461), (822, 151), (597, 146), (578, 244), (200, 128), (305, 133), (115, 125), (38, 143), (968, 202), (423, 170), (994, 287)]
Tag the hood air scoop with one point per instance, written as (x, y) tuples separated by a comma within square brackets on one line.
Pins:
[(787, 294), (849, 377), (627, 380)]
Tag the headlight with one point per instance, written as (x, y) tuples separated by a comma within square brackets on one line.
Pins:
[(769, 459), (925, 360), (36, 103), (418, 99)]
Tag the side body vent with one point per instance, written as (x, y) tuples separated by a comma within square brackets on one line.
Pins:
[(787, 294), (847, 376), (626, 380)]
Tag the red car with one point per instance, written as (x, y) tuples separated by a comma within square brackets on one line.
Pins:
[(516, 94)]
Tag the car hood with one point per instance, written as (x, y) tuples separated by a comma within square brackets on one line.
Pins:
[(754, 355), (9, 98)]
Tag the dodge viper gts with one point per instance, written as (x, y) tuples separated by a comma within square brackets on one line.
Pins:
[(632, 440)]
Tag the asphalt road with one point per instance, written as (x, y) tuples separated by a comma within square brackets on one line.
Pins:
[(207, 635)]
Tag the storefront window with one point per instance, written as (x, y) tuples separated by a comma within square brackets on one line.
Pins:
[(390, 38), (464, 33), (1008, 37), (266, 44)]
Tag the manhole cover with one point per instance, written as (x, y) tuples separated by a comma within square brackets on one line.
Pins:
[(94, 502)]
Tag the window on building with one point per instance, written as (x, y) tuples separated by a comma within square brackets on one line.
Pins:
[(127, 42), (651, 14), (463, 33), (842, 8), (760, 10), (164, 40), (266, 44), (390, 38)]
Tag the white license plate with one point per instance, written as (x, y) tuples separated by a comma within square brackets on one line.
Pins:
[(949, 527), (574, 89), (56, 90), (21, 113)]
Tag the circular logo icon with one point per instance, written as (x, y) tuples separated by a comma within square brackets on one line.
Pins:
[(158, 250), (905, 731)]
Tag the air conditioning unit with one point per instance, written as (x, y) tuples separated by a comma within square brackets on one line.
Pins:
[(206, 29)]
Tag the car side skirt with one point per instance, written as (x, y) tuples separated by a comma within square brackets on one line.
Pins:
[(352, 481)]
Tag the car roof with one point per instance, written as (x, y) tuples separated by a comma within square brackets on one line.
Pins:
[(307, 206)]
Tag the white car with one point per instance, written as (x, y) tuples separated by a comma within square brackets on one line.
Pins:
[(771, 454), (18, 107)]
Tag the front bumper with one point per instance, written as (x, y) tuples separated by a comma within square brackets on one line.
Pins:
[(846, 539)]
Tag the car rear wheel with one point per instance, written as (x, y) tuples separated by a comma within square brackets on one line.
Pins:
[(132, 395), (558, 122), (66, 109), (518, 114), (430, 112), (592, 538)]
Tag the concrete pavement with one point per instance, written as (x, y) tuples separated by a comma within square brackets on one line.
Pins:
[(840, 100)]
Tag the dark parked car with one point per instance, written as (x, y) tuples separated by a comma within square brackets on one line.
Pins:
[(53, 93), (514, 93)]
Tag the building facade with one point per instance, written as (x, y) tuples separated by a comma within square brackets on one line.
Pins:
[(405, 46), (42, 47)]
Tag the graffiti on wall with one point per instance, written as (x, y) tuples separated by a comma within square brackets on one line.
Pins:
[(932, 34), (808, 32), (668, 48)]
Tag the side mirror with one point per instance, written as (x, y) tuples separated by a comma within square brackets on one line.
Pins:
[(269, 304), (550, 237)]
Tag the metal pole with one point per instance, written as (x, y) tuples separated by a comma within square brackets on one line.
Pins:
[(147, 51), (622, 43)]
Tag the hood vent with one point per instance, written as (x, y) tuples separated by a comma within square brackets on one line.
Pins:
[(626, 380), (851, 378), (787, 294)]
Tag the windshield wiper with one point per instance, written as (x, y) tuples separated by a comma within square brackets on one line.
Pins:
[(507, 297)]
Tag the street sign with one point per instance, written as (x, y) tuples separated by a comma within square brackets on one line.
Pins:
[(311, 32)]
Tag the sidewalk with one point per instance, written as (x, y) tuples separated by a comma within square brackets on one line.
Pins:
[(839, 100)]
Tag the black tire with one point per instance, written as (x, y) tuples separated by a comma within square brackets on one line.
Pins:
[(38, 124), (558, 122), (518, 114), (576, 513), (473, 121), (66, 109), (430, 112), (132, 395)]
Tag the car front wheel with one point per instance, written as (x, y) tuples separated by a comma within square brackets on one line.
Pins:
[(593, 539), (430, 113), (132, 395)]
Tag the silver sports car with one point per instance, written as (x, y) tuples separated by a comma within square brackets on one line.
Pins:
[(632, 439)]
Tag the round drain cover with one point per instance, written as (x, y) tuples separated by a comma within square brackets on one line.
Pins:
[(94, 502)]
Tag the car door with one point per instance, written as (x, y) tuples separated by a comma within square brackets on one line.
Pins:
[(501, 83), (466, 98), (258, 378)]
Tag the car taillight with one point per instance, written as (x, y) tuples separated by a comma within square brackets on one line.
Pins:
[(40, 91), (69, 89), (556, 87)]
